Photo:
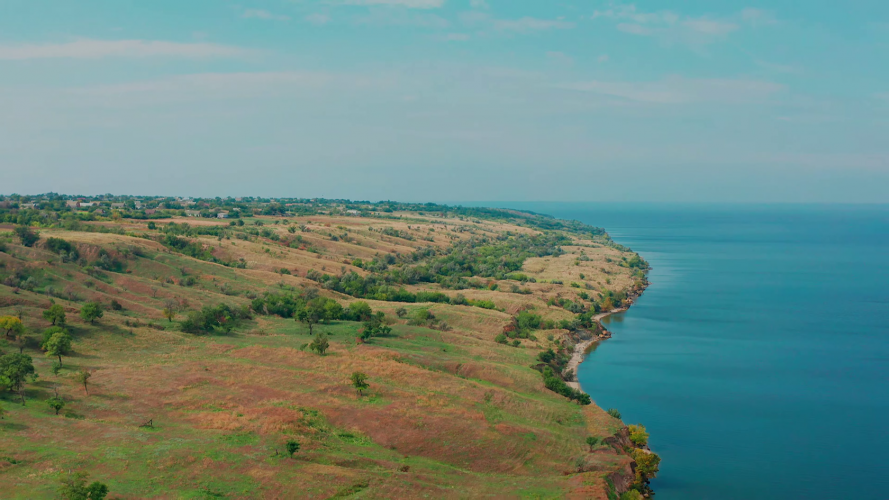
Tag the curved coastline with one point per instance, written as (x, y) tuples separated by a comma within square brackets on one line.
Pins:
[(581, 348)]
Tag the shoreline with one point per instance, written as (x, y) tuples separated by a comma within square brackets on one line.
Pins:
[(580, 349)]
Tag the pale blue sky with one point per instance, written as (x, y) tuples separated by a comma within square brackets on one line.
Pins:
[(448, 99)]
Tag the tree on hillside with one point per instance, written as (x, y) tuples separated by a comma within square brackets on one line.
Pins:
[(638, 435), (55, 314), (56, 403), (614, 413), (359, 311), (91, 311), (318, 310), (27, 235), (57, 345), (359, 382), (12, 325), (74, 487), (647, 466), (169, 314), (292, 447), (320, 344), (592, 441), (82, 377), (14, 369), (375, 326), (48, 333)]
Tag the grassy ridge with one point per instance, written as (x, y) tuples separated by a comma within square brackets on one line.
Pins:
[(449, 412)]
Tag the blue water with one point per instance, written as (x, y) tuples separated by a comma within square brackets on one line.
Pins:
[(758, 359)]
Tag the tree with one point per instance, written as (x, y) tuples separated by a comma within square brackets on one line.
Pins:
[(14, 369), (359, 382), (320, 344), (359, 311), (82, 377), (169, 314), (12, 325), (74, 487), (28, 236), (316, 311), (292, 447), (56, 403), (401, 312), (647, 465), (55, 314), (91, 311), (592, 441), (638, 435), (375, 326), (58, 344), (614, 413)]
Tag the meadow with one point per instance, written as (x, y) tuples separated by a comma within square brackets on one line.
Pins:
[(455, 407)]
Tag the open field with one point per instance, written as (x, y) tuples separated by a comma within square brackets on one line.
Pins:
[(449, 413)]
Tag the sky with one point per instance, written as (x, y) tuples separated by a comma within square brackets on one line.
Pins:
[(456, 100)]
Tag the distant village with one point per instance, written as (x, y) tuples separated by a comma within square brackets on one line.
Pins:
[(134, 207)]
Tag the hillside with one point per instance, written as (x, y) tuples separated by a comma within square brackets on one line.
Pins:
[(205, 333)]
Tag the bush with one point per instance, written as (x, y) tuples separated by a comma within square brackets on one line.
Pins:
[(554, 383), (27, 236), (501, 339), (546, 356), (222, 318), (65, 249), (638, 435), (614, 413)]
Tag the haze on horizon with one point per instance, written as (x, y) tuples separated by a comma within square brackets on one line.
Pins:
[(457, 100)]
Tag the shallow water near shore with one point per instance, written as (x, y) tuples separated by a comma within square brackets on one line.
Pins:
[(758, 359)]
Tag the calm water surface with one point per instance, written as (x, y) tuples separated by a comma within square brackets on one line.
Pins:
[(759, 357)]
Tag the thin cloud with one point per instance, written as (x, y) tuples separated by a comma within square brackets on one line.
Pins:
[(264, 15), (96, 49), (317, 19), (479, 4), (757, 17), (410, 4), (778, 68), (678, 90), (635, 29), (676, 28), (401, 17), (560, 57), (710, 26), (528, 24), (228, 85), (456, 37)]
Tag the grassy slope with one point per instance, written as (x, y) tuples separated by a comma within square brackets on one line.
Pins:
[(466, 416)]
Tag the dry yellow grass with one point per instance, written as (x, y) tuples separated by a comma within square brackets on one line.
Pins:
[(467, 416)]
